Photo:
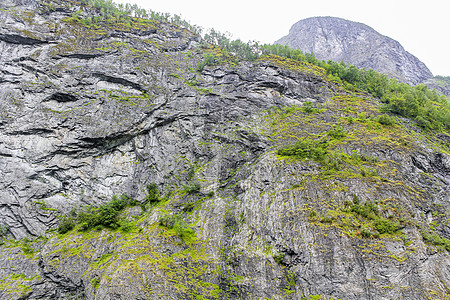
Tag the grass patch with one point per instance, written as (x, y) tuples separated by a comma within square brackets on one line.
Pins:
[(434, 239), (179, 226)]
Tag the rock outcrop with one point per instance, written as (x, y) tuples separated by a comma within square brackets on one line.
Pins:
[(336, 39), (88, 112), (440, 83)]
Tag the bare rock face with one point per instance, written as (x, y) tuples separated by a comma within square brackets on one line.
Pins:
[(88, 112), (354, 43)]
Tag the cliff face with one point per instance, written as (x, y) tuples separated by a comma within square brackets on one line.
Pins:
[(90, 112), (354, 43)]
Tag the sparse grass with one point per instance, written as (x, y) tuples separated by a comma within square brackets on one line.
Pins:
[(192, 188), (177, 224)]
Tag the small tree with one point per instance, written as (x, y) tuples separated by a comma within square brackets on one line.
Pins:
[(153, 194)]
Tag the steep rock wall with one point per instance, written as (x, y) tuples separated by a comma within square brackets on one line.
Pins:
[(336, 39), (87, 113)]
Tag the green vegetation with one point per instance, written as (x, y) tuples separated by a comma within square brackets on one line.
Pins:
[(337, 132), (105, 216), (3, 230), (108, 214), (192, 188), (208, 60), (445, 79), (333, 160), (17, 285), (385, 226), (430, 110), (364, 220), (66, 224), (370, 214), (308, 107), (426, 107), (307, 148), (153, 194), (434, 239), (177, 224), (108, 12), (279, 258), (385, 119), (27, 249)]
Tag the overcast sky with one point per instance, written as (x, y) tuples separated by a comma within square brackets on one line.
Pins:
[(422, 27)]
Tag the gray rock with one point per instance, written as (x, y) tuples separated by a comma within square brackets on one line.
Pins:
[(440, 83), (89, 114), (336, 39)]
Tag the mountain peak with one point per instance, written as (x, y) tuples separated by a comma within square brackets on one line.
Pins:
[(337, 39)]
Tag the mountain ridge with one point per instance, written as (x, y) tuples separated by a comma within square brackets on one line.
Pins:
[(139, 161), (337, 39)]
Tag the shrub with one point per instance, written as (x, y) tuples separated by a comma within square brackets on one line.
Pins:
[(107, 215), (192, 188), (186, 233), (66, 224), (208, 60), (386, 226), (436, 240), (308, 107), (365, 232), (187, 207), (3, 230), (278, 258), (333, 161), (307, 148), (120, 203), (190, 173), (337, 132), (153, 195), (88, 219), (126, 226), (368, 210), (386, 120)]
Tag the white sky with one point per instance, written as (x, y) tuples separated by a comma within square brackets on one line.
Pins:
[(422, 27)]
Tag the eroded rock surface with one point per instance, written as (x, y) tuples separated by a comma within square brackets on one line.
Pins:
[(336, 39), (87, 113)]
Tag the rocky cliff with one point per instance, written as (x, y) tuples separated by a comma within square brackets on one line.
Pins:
[(358, 208), (440, 83), (336, 39)]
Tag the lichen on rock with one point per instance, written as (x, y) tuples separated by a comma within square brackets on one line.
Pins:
[(355, 208)]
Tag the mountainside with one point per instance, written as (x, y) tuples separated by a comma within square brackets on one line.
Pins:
[(234, 179), (440, 83), (336, 39)]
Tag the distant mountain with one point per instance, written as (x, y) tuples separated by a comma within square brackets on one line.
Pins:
[(238, 178), (440, 83), (355, 43)]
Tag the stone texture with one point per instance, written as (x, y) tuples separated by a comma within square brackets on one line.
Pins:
[(336, 39), (86, 114)]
